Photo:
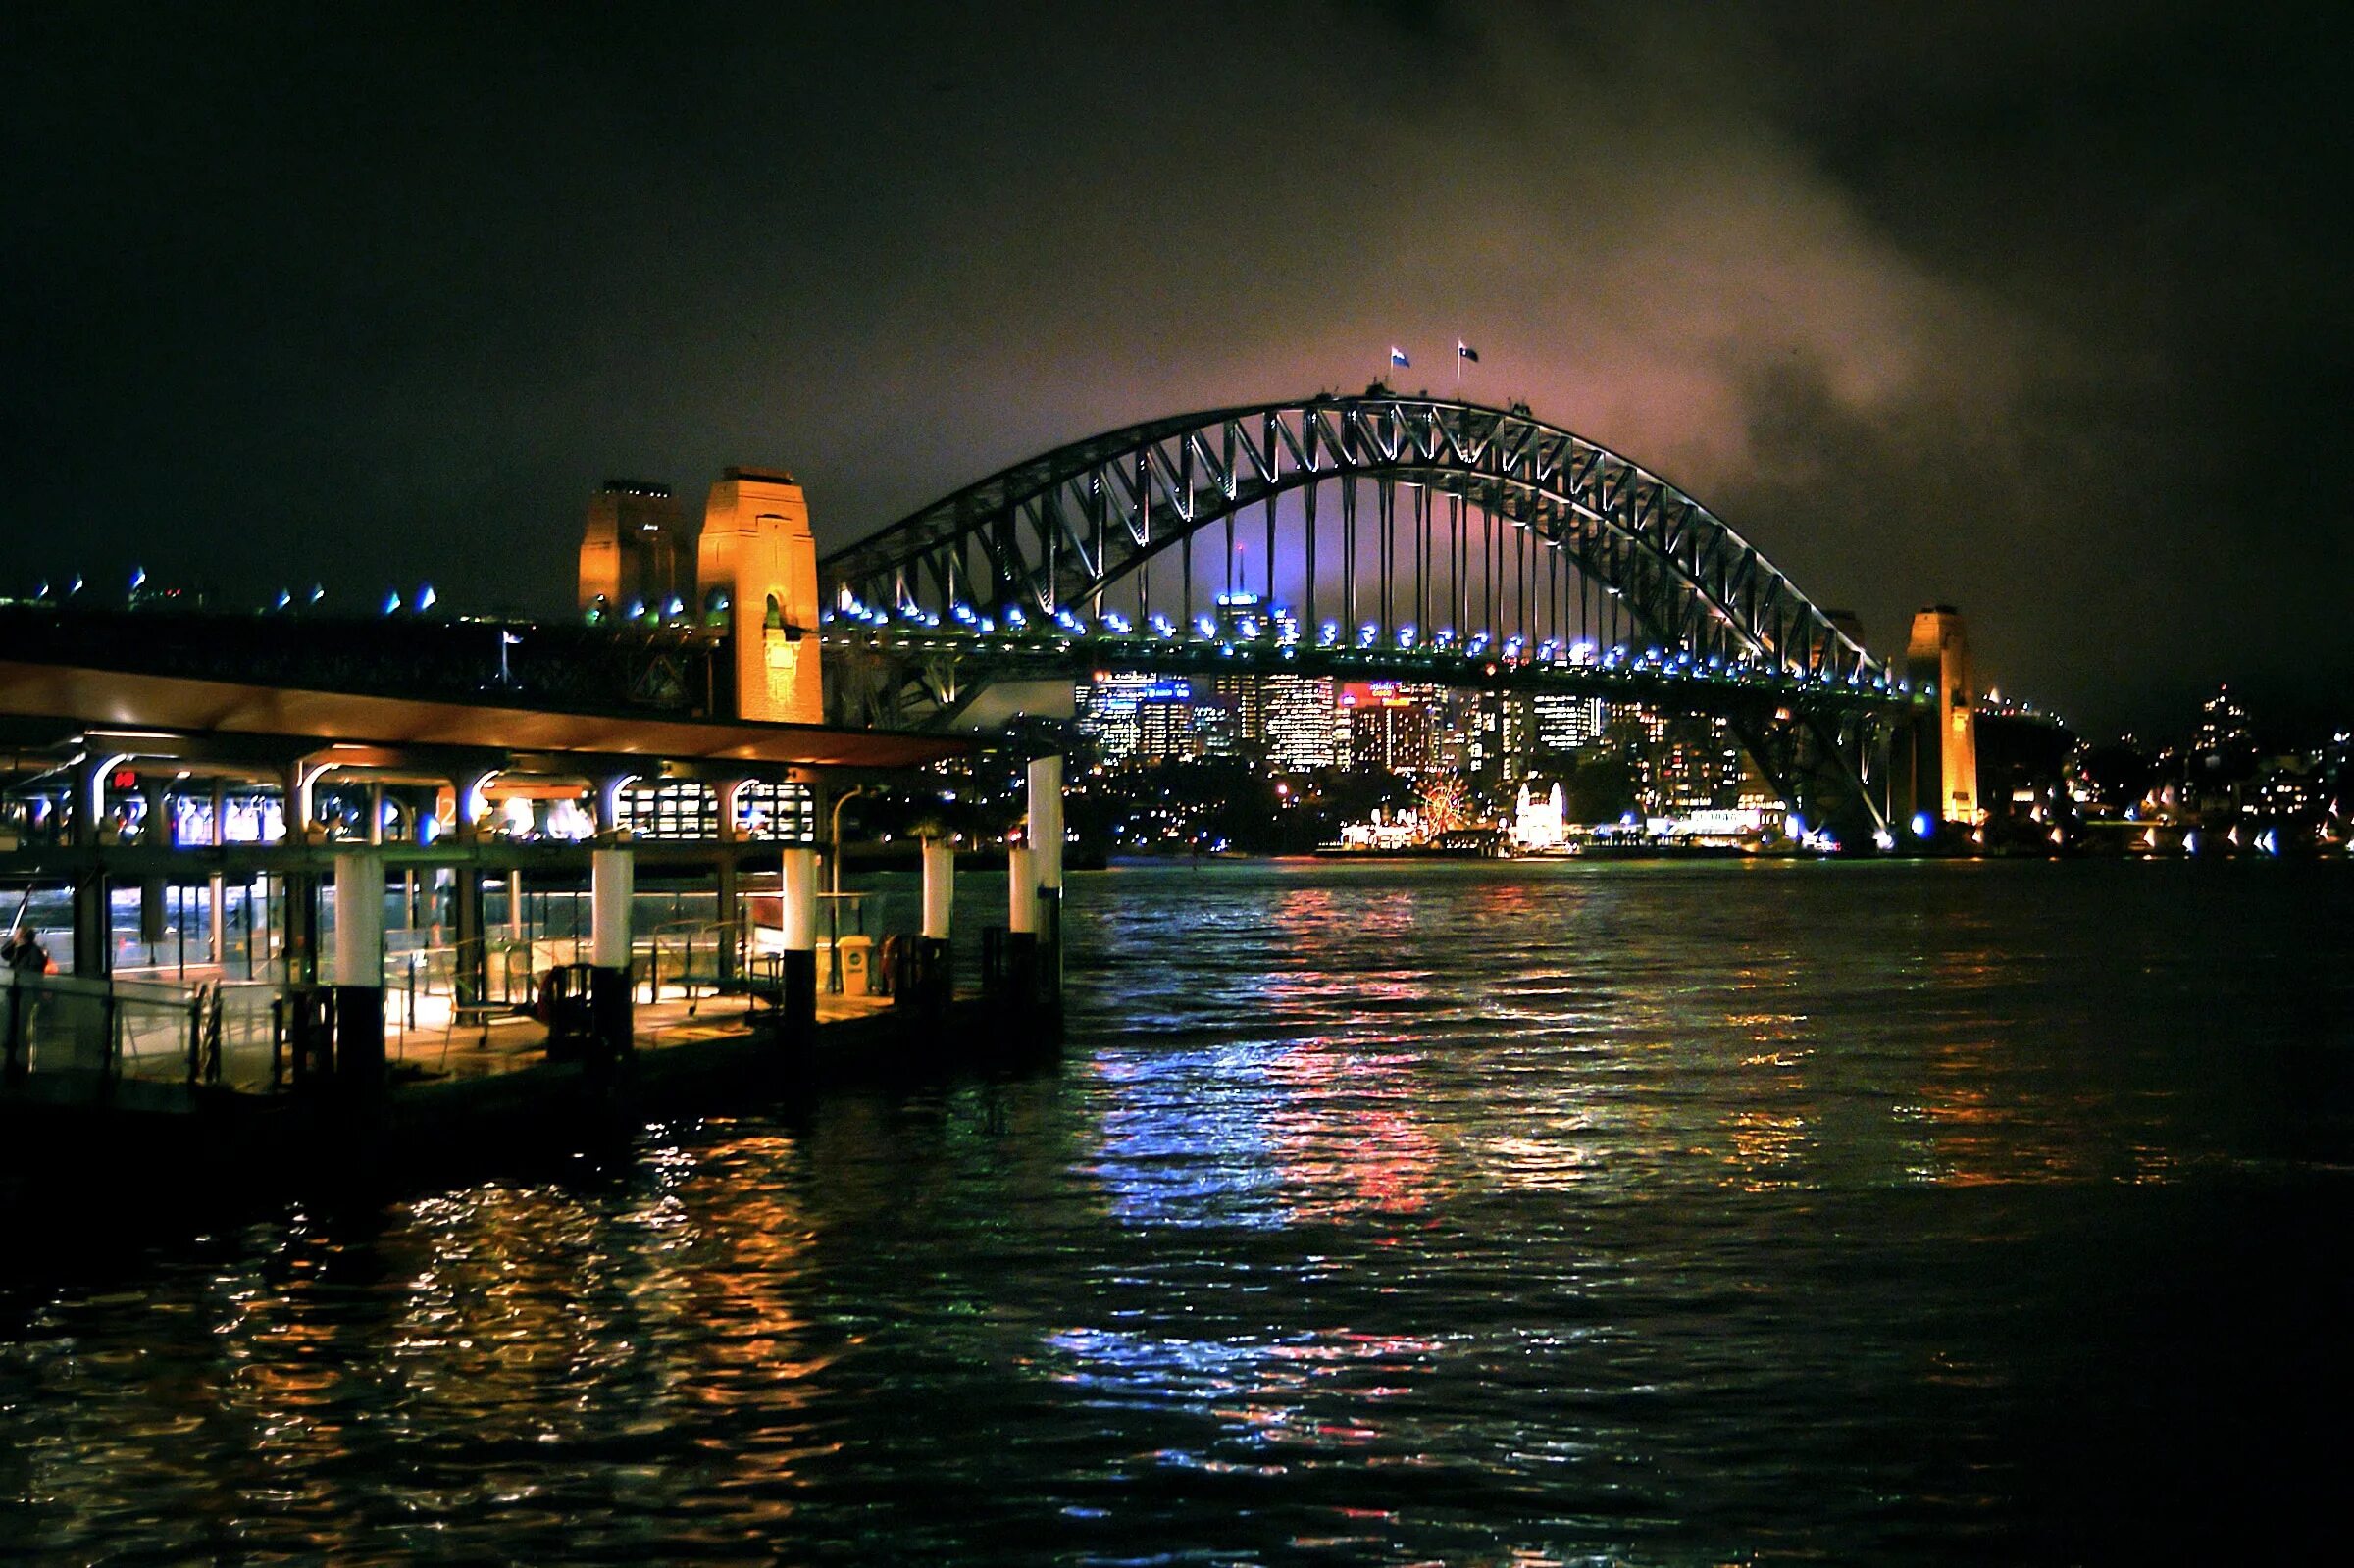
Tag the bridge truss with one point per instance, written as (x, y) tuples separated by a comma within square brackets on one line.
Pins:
[(1448, 537)]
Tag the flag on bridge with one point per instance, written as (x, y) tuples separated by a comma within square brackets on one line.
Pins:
[(1464, 351), (1398, 356)]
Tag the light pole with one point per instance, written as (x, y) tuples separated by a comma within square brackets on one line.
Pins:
[(833, 888), (834, 837)]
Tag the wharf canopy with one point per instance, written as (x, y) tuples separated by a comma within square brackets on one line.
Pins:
[(145, 739)]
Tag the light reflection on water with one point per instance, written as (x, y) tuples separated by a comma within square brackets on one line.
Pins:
[(1647, 1214)]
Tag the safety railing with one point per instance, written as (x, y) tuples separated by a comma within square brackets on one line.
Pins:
[(80, 1035)]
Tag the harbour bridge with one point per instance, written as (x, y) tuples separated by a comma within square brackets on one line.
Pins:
[(1378, 537)]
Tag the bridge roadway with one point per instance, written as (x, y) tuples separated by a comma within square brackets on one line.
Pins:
[(956, 662)]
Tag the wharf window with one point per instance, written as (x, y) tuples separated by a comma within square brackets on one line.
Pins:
[(777, 813), (674, 809)]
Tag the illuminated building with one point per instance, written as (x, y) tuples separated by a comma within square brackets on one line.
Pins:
[(1565, 723), (1540, 821), (1946, 749), (1234, 720), (1134, 717), (1392, 726), (1296, 722)]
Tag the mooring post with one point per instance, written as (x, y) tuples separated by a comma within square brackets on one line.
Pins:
[(612, 883), (360, 971), (799, 998), (1046, 844)]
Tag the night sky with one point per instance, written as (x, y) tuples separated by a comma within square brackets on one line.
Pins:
[(2043, 311)]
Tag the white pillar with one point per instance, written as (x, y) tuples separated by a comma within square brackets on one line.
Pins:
[(1021, 887), (612, 879), (801, 900), (219, 886), (360, 919), (515, 905), (940, 887), (1046, 819)]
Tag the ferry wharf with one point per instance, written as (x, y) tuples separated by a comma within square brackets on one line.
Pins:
[(278, 931)]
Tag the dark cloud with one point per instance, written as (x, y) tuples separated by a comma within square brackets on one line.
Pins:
[(2040, 310)]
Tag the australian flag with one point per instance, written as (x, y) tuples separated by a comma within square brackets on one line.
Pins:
[(1398, 356), (1464, 351)]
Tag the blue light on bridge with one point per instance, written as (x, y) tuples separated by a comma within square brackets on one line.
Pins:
[(1208, 626), (1116, 623), (1923, 827), (392, 603), (1368, 635), (1328, 635), (427, 599)]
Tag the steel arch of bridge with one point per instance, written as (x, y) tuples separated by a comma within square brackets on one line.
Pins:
[(1056, 531)]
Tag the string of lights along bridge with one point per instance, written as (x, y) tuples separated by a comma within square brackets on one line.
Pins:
[(1382, 536)]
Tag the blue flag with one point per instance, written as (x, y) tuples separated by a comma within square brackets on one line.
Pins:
[(1464, 351), (1398, 356)]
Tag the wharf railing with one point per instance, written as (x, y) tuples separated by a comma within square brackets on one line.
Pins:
[(80, 1035)]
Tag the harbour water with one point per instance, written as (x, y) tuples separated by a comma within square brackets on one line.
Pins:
[(1641, 1213)]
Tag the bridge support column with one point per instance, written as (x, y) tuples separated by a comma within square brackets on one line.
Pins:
[(731, 903), (1019, 994), (217, 890), (93, 894), (360, 971), (612, 885), (470, 972), (934, 979), (798, 1002), (1045, 836)]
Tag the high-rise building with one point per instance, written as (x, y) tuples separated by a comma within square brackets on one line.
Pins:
[(1167, 728), (1392, 726), (1134, 717), (1565, 723), (1241, 701), (1296, 719)]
